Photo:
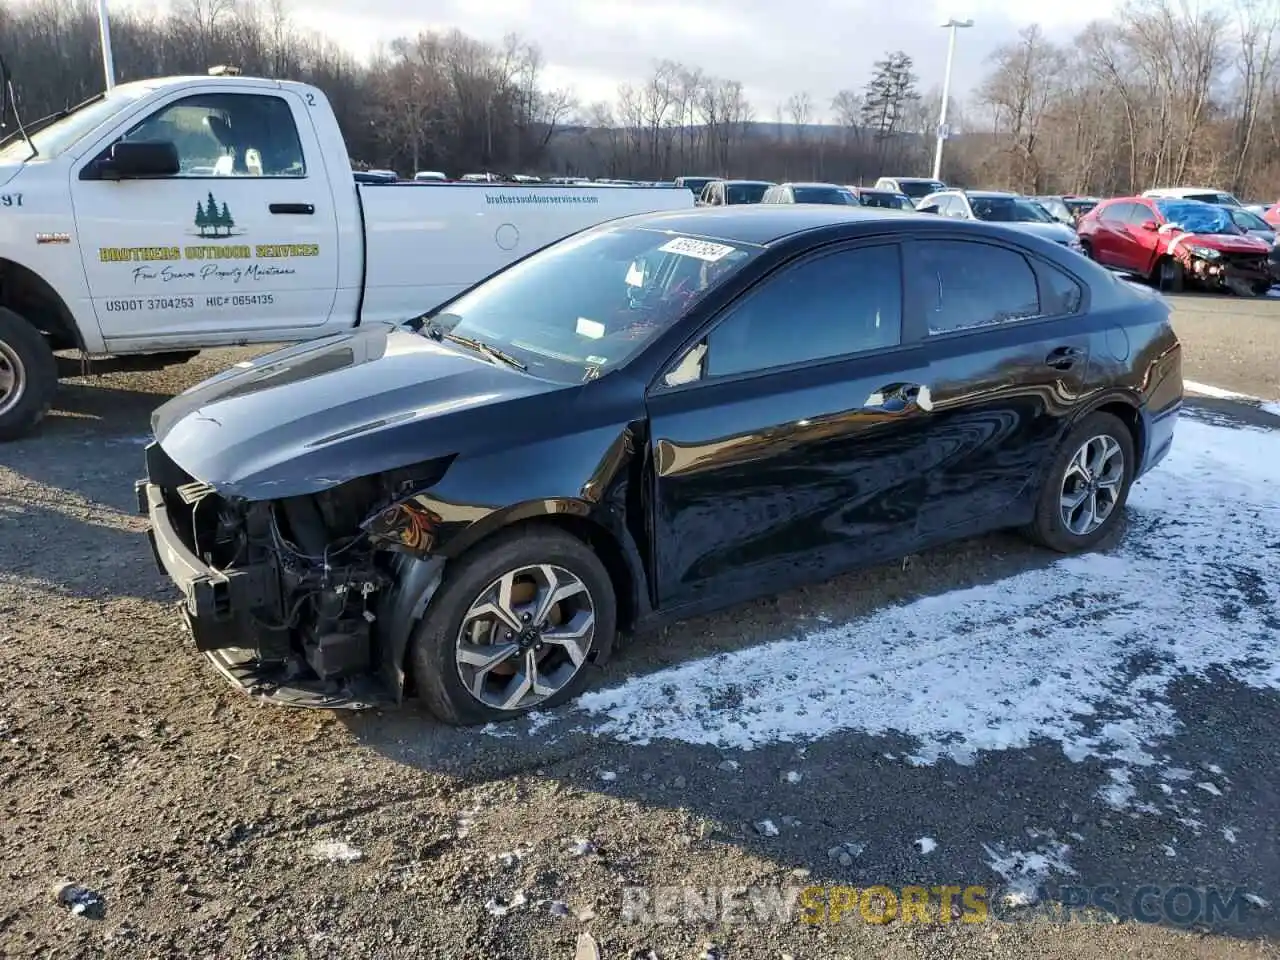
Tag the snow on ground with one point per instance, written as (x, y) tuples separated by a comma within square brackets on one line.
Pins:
[(1082, 652)]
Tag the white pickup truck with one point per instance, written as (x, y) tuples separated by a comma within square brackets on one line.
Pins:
[(167, 216)]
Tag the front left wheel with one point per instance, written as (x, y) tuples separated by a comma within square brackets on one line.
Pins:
[(514, 627)]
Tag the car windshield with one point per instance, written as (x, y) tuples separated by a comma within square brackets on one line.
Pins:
[(823, 195), (1055, 207), (587, 304), (917, 189), (696, 184), (81, 121), (1224, 199), (1248, 220), (745, 192), (1009, 210), (1195, 217), (891, 201)]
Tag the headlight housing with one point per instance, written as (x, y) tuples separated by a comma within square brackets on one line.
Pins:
[(1204, 253)]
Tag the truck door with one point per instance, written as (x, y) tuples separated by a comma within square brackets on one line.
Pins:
[(241, 244)]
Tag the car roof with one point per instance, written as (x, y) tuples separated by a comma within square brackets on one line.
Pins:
[(989, 194), (811, 183), (760, 225), (912, 179), (747, 183)]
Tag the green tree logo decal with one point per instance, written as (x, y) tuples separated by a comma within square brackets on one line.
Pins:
[(212, 220)]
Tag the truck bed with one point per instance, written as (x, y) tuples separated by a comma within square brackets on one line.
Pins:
[(426, 242)]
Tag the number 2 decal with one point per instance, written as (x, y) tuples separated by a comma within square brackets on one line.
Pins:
[(10, 199), (311, 99)]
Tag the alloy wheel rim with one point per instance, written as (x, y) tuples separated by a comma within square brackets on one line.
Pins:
[(13, 378), (525, 637), (1091, 485)]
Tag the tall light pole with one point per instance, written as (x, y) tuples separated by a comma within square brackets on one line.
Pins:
[(953, 25), (104, 31)]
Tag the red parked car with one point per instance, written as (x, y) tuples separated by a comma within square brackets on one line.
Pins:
[(1171, 242)]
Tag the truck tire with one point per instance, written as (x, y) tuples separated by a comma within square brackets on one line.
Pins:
[(28, 376)]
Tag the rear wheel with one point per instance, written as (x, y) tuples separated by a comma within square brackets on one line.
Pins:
[(1086, 486), (28, 376), (515, 627), (1087, 247)]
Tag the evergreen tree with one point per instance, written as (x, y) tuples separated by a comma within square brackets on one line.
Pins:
[(202, 220), (890, 92), (225, 221)]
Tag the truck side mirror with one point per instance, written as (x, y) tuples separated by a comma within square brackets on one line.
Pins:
[(136, 159)]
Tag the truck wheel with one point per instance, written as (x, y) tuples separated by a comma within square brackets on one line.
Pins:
[(28, 376), (1168, 276), (515, 627)]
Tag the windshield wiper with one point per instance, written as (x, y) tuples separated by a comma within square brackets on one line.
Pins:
[(493, 353)]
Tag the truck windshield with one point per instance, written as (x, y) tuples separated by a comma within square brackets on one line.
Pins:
[(589, 303), (64, 132)]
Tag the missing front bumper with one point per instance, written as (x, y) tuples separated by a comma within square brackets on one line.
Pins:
[(218, 612)]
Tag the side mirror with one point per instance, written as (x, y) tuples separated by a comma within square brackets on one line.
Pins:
[(136, 159), (1150, 226), (928, 208)]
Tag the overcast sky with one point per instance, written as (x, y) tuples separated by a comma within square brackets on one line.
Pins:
[(775, 48)]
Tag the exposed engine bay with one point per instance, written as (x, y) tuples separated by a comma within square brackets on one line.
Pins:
[(296, 598)]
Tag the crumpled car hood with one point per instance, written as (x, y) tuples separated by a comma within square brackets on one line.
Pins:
[(315, 415)]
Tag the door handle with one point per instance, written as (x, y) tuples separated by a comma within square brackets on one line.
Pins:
[(303, 208), (1063, 358), (899, 398)]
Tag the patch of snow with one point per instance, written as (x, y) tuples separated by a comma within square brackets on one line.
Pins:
[(1210, 788), (1272, 408), (498, 730), (1229, 835), (1208, 390), (1168, 850), (608, 776), (793, 776), (961, 673), (766, 828), (336, 851), (1257, 901), (498, 908), (926, 845), (1119, 793), (1023, 872), (1214, 769)]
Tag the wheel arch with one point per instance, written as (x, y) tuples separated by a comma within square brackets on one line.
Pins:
[(1128, 410), (33, 298), (594, 525)]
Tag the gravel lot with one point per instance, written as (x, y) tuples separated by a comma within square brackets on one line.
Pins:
[(212, 826)]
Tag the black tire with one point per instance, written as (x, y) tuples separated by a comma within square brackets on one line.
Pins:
[(1087, 247), (25, 352), (432, 649), (1048, 528), (1168, 276)]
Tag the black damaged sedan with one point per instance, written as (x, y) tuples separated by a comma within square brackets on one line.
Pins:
[(652, 418)]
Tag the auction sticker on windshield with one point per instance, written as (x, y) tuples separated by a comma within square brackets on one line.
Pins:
[(701, 249)]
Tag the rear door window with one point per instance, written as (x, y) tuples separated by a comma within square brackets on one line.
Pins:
[(966, 283)]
